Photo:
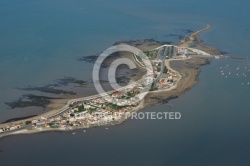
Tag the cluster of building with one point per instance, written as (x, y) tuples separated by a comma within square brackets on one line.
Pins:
[(183, 53), (11, 127), (110, 108), (91, 112), (168, 80)]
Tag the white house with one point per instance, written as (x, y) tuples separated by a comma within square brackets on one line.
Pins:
[(12, 127), (43, 118), (81, 115), (34, 121)]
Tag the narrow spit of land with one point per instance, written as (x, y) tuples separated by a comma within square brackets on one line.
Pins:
[(188, 69)]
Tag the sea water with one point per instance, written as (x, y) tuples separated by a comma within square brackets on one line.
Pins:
[(40, 41)]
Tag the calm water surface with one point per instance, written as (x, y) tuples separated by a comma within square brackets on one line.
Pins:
[(40, 39)]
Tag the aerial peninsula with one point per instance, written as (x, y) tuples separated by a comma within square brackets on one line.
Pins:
[(175, 70)]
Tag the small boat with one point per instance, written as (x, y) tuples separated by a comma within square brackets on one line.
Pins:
[(84, 131), (107, 128), (73, 133)]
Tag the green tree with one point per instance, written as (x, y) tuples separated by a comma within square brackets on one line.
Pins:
[(28, 122), (165, 69), (81, 108)]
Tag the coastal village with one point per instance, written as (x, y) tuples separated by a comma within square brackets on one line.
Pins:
[(116, 105)]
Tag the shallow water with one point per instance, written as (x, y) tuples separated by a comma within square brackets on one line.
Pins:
[(40, 39)]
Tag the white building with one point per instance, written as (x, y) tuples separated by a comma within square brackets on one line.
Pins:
[(43, 118), (34, 121), (12, 127), (81, 115)]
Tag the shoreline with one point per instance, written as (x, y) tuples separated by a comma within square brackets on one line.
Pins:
[(194, 40), (189, 77)]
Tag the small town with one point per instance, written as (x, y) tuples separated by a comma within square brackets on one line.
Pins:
[(115, 106)]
